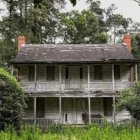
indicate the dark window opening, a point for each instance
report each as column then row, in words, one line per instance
column 98, row 72
column 50, row 73
column 81, row 73
column 40, row 107
column 67, row 73
column 66, row 117
column 31, row 73
column 117, row 74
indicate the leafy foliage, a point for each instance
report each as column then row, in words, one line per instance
column 12, row 99
column 81, row 27
column 130, row 99
column 106, row 132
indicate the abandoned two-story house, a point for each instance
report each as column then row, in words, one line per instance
column 73, row 83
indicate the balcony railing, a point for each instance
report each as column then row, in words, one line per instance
column 74, row 86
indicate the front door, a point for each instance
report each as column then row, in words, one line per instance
column 73, row 110
column 68, row 111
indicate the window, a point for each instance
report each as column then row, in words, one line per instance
column 31, row 73
column 66, row 73
column 50, row 73
column 40, row 108
column 97, row 72
column 81, row 73
column 117, row 74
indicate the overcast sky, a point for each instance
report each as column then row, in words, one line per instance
column 128, row 8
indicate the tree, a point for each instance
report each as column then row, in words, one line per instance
column 116, row 23
column 12, row 99
column 38, row 20
column 130, row 99
column 81, row 27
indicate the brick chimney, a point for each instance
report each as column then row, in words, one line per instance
column 21, row 42
column 127, row 41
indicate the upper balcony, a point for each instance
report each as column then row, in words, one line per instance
column 86, row 78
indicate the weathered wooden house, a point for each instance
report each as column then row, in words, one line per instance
column 73, row 83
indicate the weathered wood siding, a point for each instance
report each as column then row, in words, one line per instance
column 74, row 73
column 52, row 108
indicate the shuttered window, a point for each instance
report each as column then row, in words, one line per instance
column 97, row 72
column 50, row 73
column 117, row 74
column 31, row 73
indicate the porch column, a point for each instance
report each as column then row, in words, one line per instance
column 35, row 77
column 34, row 110
column 60, row 77
column 89, row 110
column 88, row 78
column 136, row 72
column 60, row 109
column 113, row 86
column 114, row 109
column 89, row 102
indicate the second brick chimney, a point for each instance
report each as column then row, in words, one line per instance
column 21, row 42
column 127, row 41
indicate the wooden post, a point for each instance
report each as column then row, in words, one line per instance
column 136, row 72
column 89, row 110
column 113, row 83
column 88, row 78
column 89, row 103
column 114, row 109
column 34, row 110
column 35, row 77
column 60, row 77
column 60, row 109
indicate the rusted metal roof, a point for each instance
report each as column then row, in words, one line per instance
column 73, row 53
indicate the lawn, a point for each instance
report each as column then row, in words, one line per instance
column 93, row 132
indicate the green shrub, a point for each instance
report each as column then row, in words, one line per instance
column 12, row 99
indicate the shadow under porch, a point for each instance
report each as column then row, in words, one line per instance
column 62, row 110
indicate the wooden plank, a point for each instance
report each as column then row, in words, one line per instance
column 60, row 77
column 34, row 110
column 89, row 110
column 35, row 75
column 60, row 109
column 88, row 77
column 114, row 109
column 113, row 86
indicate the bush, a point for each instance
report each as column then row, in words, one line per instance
column 12, row 99
column 130, row 99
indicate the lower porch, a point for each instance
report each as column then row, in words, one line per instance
column 63, row 110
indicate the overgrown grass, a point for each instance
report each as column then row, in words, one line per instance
column 93, row 132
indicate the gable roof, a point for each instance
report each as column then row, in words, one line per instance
column 73, row 53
